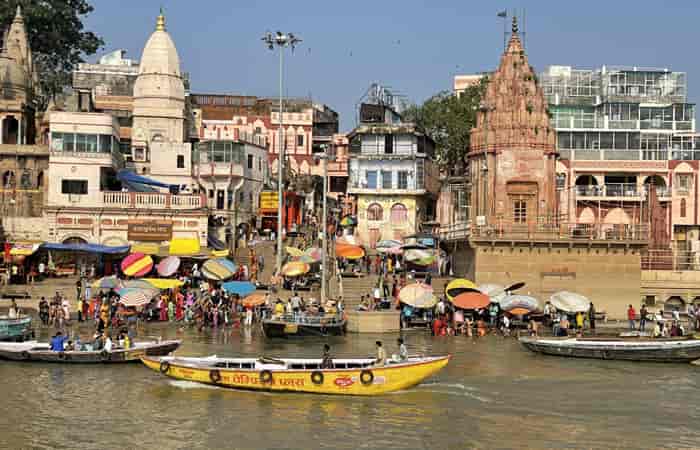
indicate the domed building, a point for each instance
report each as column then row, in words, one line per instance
column 159, row 118
column 16, row 85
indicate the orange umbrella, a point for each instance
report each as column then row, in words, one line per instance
column 295, row 268
column 349, row 251
column 254, row 300
column 519, row 311
column 471, row 300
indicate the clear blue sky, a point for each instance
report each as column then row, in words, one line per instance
column 414, row 46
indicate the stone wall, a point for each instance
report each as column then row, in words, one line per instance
column 609, row 275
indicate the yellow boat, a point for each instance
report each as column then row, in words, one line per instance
column 348, row 376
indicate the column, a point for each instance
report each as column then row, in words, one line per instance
column 19, row 130
column 2, row 123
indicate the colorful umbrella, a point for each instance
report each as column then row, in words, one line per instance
column 136, row 296
column 293, row 251
column 295, row 268
column 511, row 303
column 163, row 283
column 168, row 266
column 418, row 295
column 219, row 269
column 137, row 265
column 387, row 243
column 315, row 253
column 349, row 251
column 570, row 302
column 140, row 284
column 347, row 239
column 419, row 257
column 242, row 288
column 494, row 291
column 254, row 300
column 458, row 286
column 107, row 283
column 348, row 221
column 471, row 300
column 305, row 259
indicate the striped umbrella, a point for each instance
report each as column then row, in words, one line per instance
column 418, row 295
column 137, row 265
column 254, row 300
column 459, row 286
column 136, row 296
column 293, row 251
column 106, row 283
column 348, row 221
column 168, row 266
column 295, row 268
column 219, row 269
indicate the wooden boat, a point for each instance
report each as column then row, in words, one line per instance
column 40, row 352
column 286, row 326
column 632, row 349
column 348, row 377
column 18, row 329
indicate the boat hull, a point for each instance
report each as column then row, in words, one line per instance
column 332, row 382
column 668, row 351
column 280, row 329
column 16, row 329
column 89, row 357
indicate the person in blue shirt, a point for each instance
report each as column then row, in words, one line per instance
column 57, row 342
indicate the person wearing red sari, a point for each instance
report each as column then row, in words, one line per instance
column 179, row 306
column 164, row 308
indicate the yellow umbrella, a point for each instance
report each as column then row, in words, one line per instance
column 145, row 248
column 295, row 268
column 293, row 251
column 219, row 253
column 164, row 283
column 459, row 286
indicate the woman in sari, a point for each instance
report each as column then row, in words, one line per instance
column 179, row 306
column 163, row 307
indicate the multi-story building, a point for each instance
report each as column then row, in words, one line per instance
column 619, row 131
column 392, row 175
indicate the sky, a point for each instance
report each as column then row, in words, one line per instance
column 415, row 47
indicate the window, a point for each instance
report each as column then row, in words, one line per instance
column 386, row 179
column 40, row 179
column 258, row 130
column 399, row 214
column 389, row 143
column 250, row 161
column 403, row 179
column 180, row 161
column 375, row 212
column 371, row 176
column 684, row 182
column 300, row 140
column 79, row 187
column 519, row 211
column 683, row 207
column 561, row 181
column 211, row 193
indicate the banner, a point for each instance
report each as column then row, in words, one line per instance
column 149, row 230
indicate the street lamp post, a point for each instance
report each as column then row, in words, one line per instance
column 281, row 41
column 325, row 156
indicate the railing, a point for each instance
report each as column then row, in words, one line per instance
column 508, row 229
column 670, row 260
column 304, row 319
column 619, row 190
column 151, row 200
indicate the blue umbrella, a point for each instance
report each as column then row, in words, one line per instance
column 242, row 288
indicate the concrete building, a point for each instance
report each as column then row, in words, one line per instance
column 392, row 175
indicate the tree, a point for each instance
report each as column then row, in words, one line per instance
column 56, row 37
column 448, row 119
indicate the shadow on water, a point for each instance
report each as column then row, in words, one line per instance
column 493, row 394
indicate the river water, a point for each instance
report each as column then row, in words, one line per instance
column 493, row 394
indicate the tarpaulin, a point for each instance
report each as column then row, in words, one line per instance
column 88, row 248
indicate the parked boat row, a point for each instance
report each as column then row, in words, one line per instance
column 41, row 352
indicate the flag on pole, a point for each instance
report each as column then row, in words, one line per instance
column 503, row 14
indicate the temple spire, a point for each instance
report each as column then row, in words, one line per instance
column 160, row 22
column 514, row 27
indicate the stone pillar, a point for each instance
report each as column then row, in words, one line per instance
column 19, row 130
column 2, row 123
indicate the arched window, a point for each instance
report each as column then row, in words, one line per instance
column 40, row 179
column 682, row 207
column 399, row 214
column 8, row 179
column 375, row 212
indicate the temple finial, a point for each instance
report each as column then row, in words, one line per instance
column 514, row 27
column 160, row 22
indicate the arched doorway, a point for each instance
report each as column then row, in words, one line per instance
column 586, row 185
column 74, row 240
column 673, row 303
column 10, row 130
column 8, row 179
column 658, row 182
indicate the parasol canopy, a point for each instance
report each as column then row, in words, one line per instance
column 163, row 283
column 419, row 257
column 511, row 303
column 295, row 269
column 471, row 300
column 136, row 296
column 347, row 240
column 570, row 302
column 168, row 266
column 293, row 251
column 315, row 253
column 349, row 251
column 418, row 295
column 219, row 269
column 459, row 286
column 137, row 265
column 305, row 259
column 254, row 300
column 241, row 288
column 111, row 282
column 141, row 284
column 387, row 243
column 348, row 221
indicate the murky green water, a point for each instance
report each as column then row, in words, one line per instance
column 493, row 395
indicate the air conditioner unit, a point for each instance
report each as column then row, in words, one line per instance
column 480, row 221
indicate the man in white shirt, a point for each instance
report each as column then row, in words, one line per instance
column 108, row 344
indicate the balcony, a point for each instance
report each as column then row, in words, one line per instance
column 143, row 200
column 630, row 191
column 356, row 187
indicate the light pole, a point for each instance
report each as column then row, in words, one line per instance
column 281, row 41
column 325, row 156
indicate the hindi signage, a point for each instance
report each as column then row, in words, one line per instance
column 150, row 230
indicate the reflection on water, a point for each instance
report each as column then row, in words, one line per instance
column 493, row 394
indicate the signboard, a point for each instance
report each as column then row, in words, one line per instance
column 150, row 230
column 268, row 201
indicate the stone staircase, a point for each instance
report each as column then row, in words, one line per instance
column 354, row 288
column 267, row 250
